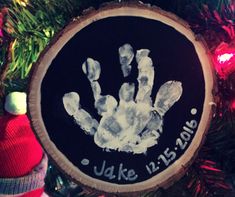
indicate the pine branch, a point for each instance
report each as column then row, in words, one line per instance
column 221, row 142
column 31, row 27
column 206, row 179
column 207, row 176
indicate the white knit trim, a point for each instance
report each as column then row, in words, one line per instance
column 18, row 195
column 30, row 182
column 16, row 103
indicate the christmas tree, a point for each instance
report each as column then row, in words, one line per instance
column 28, row 26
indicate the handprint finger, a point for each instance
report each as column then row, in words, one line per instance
column 155, row 122
column 126, row 92
column 126, row 56
column 96, row 89
column 103, row 104
column 145, row 77
column 86, row 122
column 83, row 118
column 106, row 105
column 169, row 93
column 92, row 70
column 71, row 102
column 141, row 54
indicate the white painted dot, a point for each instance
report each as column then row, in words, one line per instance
column 85, row 162
column 176, row 148
column 158, row 163
column 194, row 111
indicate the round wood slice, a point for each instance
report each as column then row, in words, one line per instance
column 147, row 147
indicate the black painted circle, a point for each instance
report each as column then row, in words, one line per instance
column 174, row 58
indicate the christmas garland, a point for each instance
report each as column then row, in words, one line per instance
column 27, row 26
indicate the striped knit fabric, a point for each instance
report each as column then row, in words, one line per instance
column 30, row 182
column 23, row 164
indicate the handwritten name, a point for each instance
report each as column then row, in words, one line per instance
column 111, row 172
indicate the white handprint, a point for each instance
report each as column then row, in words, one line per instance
column 133, row 124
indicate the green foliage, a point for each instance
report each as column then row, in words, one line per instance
column 31, row 28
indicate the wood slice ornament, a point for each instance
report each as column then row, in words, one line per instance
column 121, row 99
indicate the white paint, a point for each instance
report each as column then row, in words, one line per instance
column 152, row 168
column 186, row 133
column 194, row 111
column 169, row 93
column 92, row 69
column 111, row 172
column 126, row 56
column 132, row 124
column 85, row 162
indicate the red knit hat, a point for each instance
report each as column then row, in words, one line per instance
column 22, row 161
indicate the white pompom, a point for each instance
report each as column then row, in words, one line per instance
column 16, row 103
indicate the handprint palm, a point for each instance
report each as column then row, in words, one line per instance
column 133, row 124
